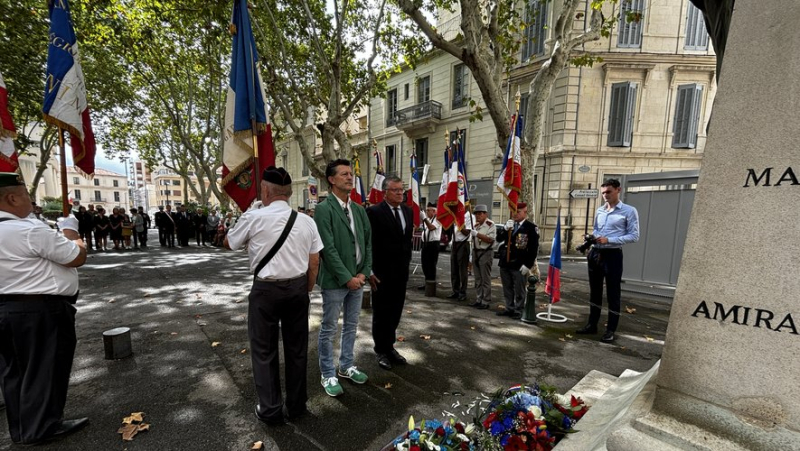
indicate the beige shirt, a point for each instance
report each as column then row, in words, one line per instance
column 261, row 228
column 32, row 258
column 488, row 229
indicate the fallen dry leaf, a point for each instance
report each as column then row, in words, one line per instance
column 401, row 338
column 257, row 446
column 144, row 427
column 472, row 327
column 243, row 351
column 215, row 344
column 648, row 338
column 388, row 385
column 425, row 337
column 561, row 339
column 128, row 431
column 630, row 310
column 135, row 417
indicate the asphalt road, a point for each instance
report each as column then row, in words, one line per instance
column 191, row 372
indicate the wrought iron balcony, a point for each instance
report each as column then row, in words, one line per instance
column 425, row 114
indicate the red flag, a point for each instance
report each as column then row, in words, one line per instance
column 8, row 154
column 412, row 195
column 451, row 207
column 376, row 191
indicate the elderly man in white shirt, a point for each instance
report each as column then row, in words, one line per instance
column 283, row 248
column 431, row 236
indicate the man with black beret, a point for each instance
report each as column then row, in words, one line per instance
column 283, row 248
column 522, row 237
column 38, row 287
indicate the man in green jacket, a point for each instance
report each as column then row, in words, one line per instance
column 346, row 264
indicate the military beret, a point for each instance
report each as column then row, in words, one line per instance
column 277, row 176
column 521, row 205
column 10, row 179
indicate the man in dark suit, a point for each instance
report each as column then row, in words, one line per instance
column 183, row 224
column 392, row 227
column 161, row 217
column 169, row 223
column 522, row 236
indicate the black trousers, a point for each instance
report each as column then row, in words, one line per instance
column 387, row 308
column 162, row 236
column 169, row 236
column 459, row 261
column 37, row 344
column 287, row 303
column 605, row 264
column 430, row 257
column 86, row 236
column 200, row 234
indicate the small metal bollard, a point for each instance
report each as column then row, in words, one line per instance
column 366, row 299
column 430, row 288
column 117, row 343
column 529, row 314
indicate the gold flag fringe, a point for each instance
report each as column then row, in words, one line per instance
column 235, row 172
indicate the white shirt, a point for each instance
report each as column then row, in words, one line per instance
column 261, row 228
column 469, row 223
column 32, row 258
column 432, row 235
column 352, row 225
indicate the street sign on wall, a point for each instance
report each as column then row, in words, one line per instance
column 584, row 193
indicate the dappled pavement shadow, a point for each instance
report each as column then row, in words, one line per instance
column 191, row 372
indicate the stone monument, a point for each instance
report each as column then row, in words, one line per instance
column 729, row 377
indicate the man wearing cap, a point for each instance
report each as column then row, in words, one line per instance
column 522, row 238
column 431, row 235
column 38, row 285
column 346, row 264
column 615, row 224
column 483, row 237
column 283, row 248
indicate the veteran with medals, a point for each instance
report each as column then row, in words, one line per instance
column 522, row 237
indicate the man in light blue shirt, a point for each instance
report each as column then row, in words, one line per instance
column 615, row 224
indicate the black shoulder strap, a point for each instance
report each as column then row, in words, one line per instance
column 6, row 219
column 278, row 244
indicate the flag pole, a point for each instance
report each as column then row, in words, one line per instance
column 256, row 176
column 517, row 99
column 64, row 191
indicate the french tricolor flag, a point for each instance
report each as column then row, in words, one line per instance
column 553, row 285
column 510, row 180
column 376, row 192
column 8, row 154
column 357, row 193
column 65, row 103
column 412, row 197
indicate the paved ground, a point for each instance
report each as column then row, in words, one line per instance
column 197, row 395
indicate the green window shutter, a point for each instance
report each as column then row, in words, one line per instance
column 621, row 111
column 687, row 116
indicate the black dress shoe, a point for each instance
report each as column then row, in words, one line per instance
column 383, row 362
column 476, row 304
column 67, row 427
column 608, row 337
column 395, row 357
column 504, row 313
column 453, row 296
column 270, row 421
column 516, row 315
column 296, row 415
column 587, row 330
column 482, row 306
column 461, row 298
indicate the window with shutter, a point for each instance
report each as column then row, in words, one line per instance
column 523, row 104
column 391, row 166
column 687, row 116
column 423, row 89
column 620, row 116
column 696, row 34
column 460, row 86
column 630, row 33
column 535, row 29
column 391, row 107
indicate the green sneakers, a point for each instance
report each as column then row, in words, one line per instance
column 354, row 375
column 332, row 387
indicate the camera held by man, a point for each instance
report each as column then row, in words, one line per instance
column 588, row 241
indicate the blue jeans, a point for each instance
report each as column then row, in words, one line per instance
column 334, row 301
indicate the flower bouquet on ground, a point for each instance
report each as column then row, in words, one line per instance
column 433, row 435
column 527, row 418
